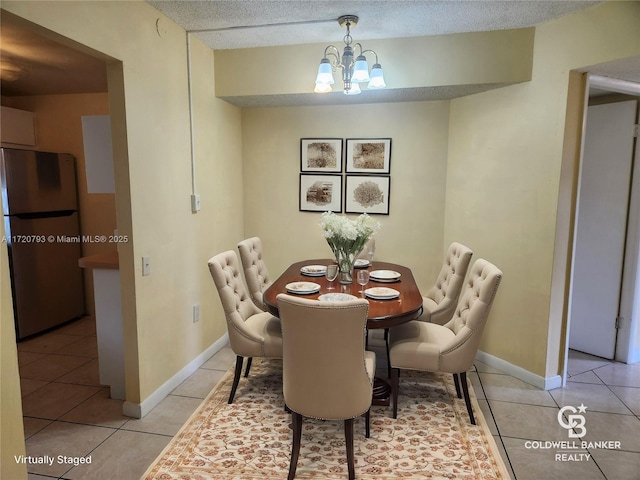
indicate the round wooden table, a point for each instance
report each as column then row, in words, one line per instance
column 382, row 313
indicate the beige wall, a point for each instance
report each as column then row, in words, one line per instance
column 150, row 125
column 505, row 152
column 478, row 58
column 11, row 427
column 58, row 121
column 411, row 234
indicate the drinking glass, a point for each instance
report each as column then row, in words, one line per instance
column 331, row 274
column 371, row 252
column 363, row 278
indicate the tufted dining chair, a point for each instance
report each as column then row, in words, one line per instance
column 255, row 270
column 452, row 347
column 440, row 301
column 252, row 332
column 327, row 373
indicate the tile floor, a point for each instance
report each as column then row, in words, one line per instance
column 67, row 412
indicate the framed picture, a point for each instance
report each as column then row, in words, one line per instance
column 320, row 193
column 367, row 194
column 369, row 155
column 321, row 155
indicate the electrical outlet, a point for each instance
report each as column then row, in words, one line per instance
column 196, row 313
column 146, row 266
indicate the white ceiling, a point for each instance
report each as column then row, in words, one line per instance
column 51, row 68
column 258, row 23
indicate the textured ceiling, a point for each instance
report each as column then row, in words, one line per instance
column 259, row 23
column 48, row 67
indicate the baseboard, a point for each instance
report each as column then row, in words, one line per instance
column 544, row 383
column 139, row 410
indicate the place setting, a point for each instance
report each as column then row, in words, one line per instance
column 314, row 270
column 385, row 276
column 302, row 288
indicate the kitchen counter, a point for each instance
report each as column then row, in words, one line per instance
column 107, row 260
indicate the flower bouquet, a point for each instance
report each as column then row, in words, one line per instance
column 347, row 239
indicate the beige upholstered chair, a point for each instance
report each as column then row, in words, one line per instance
column 440, row 302
column 451, row 347
column 327, row 374
column 252, row 332
column 255, row 270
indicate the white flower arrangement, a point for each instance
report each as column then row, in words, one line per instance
column 347, row 237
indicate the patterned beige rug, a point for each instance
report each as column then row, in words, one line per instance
column 251, row 439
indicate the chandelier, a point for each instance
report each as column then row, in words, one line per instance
column 353, row 72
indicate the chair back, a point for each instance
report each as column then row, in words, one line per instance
column 446, row 291
column 470, row 317
column 255, row 270
column 236, row 303
column 324, row 373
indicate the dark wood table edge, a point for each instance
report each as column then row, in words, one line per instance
column 381, row 387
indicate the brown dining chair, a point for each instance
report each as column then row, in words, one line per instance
column 327, row 373
column 452, row 347
column 440, row 301
column 252, row 332
column 255, row 270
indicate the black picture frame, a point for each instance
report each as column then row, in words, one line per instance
column 320, row 193
column 321, row 155
column 368, row 156
column 369, row 194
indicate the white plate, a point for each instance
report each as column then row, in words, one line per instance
column 302, row 288
column 336, row 297
column 361, row 263
column 381, row 293
column 384, row 276
column 314, row 270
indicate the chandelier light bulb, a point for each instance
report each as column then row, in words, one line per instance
column 377, row 77
column 322, row 88
column 325, row 73
column 354, row 90
column 360, row 70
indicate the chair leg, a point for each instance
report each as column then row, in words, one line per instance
column 457, row 382
column 467, row 400
column 246, row 372
column 295, row 449
column 386, row 342
column 348, row 435
column 395, row 383
column 367, row 428
column 236, row 377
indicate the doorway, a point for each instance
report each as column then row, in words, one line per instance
column 605, row 261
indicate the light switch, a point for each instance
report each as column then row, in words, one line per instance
column 146, row 266
column 195, row 203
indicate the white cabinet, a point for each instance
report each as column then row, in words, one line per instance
column 18, row 127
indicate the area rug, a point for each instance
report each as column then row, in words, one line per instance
column 251, row 438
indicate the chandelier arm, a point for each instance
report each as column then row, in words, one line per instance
column 362, row 52
column 336, row 55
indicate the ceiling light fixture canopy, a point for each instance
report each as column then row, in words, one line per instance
column 355, row 71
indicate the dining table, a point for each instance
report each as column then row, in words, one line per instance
column 383, row 312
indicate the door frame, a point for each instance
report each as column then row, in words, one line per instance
column 612, row 85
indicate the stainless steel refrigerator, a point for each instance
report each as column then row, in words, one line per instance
column 43, row 238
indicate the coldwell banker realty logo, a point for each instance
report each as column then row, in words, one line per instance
column 574, row 421
column 576, row 426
